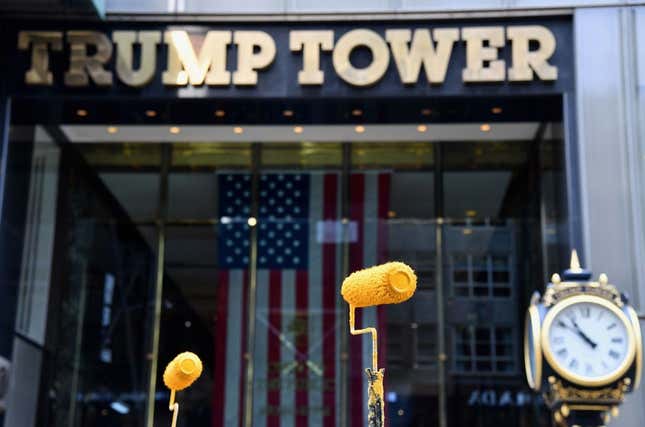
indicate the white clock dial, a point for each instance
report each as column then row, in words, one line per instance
column 589, row 340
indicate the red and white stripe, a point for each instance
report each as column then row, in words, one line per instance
column 297, row 379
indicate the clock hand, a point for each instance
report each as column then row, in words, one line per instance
column 583, row 335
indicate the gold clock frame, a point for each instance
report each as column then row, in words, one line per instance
column 532, row 321
column 638, row 342
column 579, row 379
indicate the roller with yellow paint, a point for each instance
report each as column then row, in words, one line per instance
column 388, row 283
column 179, row 374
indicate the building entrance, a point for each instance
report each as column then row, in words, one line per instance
column 145, row 239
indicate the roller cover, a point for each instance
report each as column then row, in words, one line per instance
column 389, row 283
column 182, row 371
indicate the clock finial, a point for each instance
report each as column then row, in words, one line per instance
column 575, row 262
column 575, row 272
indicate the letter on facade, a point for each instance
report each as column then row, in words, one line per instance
column 409, row 56
column 124, row 41
column 361, row 76
column 311, row 43
column 82, row 66
column 39, row 73
column 248, row 59
column 525, row 62
column 477, row 54
column 185, row 66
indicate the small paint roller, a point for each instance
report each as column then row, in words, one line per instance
column 389, row 283
column 180, row 373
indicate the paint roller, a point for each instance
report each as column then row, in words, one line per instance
column 180, row 373
column 390, row 283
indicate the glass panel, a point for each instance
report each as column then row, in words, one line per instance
column 492, row 201
column 98, row 371
column 390, row 155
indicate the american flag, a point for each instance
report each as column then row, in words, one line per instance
column 296, row 356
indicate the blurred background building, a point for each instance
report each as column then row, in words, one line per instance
column 164, row 189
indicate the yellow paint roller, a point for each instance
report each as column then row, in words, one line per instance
column 389, row 283
column 179, row 374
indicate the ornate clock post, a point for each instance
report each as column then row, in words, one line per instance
column 582, row 347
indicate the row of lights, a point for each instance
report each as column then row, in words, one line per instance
column 485, row 127
column 238, row 130
column 286, row 113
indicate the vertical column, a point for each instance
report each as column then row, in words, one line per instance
column 162, row 212
column 608, row 47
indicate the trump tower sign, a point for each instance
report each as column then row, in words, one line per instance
column 271, row 60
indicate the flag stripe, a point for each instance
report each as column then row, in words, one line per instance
column 302, row 344
column 383, row 208
column 330, row 295
column 242, row 355
column 315, row 329
column 260, row 371
column 286, row 369
column 273, row 349
column 356, row 398
column 370, row 240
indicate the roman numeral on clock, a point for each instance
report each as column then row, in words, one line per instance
column 614, row 354
column 585, row 311
column 617, row 340
column 573, row 364
column 562, row 352
column 612, row 326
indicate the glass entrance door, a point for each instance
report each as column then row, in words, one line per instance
column 236, row 251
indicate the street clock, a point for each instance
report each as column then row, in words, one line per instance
column 582, row 347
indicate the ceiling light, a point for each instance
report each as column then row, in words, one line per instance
column 287, row 113
column 112, row 129
column 220, row 113
column 471, row 213
column 174, row 130
column 359, row 129
column 357, row 112
column 151, row 113
column 422, row 128
column 426, row 112
column 238, row 130
column 252, row 222
column 81, row 112
column 496, row 110
column 485, row 127
column 297, row 129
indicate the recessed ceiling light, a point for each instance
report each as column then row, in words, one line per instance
column 81, row 112
column 297, row 129
column 252, row 221
column 426, row 112
column 357, row 112
column 484, row 127
column 287, row 113
column 422, row 128
column 496, row 110
column 238, row 130
column 112, row 129
column 151, row 113
column 220, row 113
column 359, row 129
column 174, row 130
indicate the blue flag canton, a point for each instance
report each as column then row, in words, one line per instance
column 234, row 210
column 283, row 228
column 284, row 214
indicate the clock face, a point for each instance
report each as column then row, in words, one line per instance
column 589, row 341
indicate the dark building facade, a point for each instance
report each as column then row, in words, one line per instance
column 205, row 184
